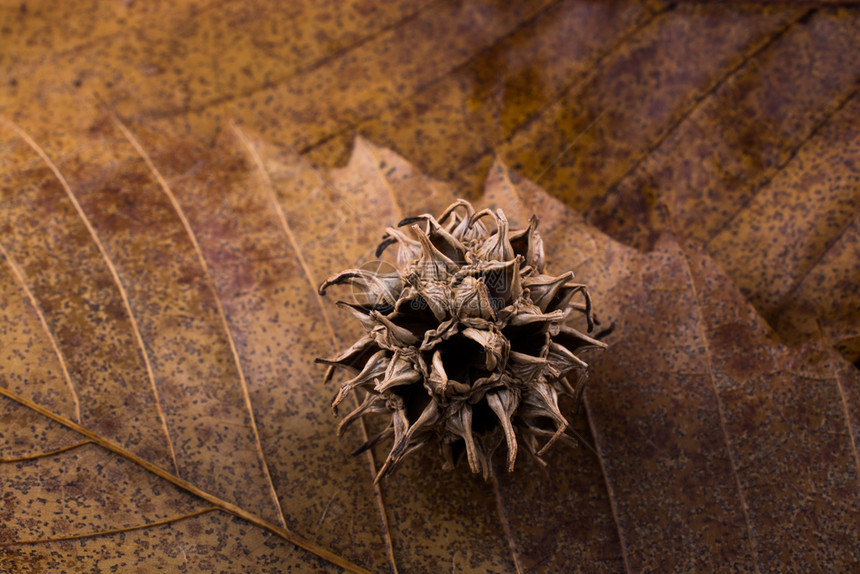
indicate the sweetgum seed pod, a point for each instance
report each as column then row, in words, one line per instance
column 466, row 346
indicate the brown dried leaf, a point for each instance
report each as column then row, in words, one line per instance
column 159, row 319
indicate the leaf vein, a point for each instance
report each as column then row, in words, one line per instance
column 607, row 485
column 46, row 453
column 846, row 410
column 724, row 431
column 111, row 531
column 506, row 527
column 19, row 277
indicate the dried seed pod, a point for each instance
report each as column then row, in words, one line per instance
column 465, row 346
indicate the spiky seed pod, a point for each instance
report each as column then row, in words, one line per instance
column 466, row 344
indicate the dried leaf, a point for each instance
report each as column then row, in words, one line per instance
column 161, row 241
